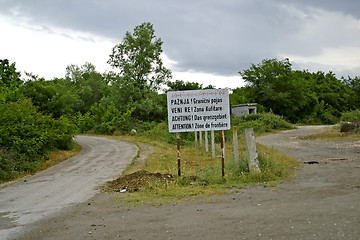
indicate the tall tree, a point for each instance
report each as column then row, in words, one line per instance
column 9, row 77
column 276, row 86
column 90, row 85
column 138, row 57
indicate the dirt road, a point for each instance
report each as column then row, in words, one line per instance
column 71, row 182
column 321, row 201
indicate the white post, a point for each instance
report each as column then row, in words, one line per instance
column 212, row 144
column 200, row 137
column 206, row 142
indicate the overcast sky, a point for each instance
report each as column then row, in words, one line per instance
column 205, row 41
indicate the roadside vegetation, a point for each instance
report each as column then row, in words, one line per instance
column 40, row 116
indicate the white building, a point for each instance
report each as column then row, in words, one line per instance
column 243, row 109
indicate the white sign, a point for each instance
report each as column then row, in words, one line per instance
column 198, row 110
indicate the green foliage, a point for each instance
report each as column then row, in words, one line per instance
column 105, row 120
column 351, row 116
column 138, row 57
column 299, row 96
column 9, row 77
column 148, row 104
column 180, row 85
column 26, row 136
column 90, row 86
column 261, row 122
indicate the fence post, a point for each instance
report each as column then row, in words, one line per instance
column 251, row 152
column 236, row 145
column 206, row 142
column 212, row 144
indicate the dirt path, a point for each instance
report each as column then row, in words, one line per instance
column 322, row 201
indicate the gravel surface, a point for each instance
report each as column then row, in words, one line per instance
column 321, row 201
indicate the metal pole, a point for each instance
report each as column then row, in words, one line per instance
column 178, row 152
column 222, row 153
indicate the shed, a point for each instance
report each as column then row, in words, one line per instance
column 243, row 109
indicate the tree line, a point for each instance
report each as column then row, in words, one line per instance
column 299, row 96
column 38, row 115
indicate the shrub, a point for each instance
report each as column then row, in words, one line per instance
column 261, row 122
column 26, row 135
column 351, row 116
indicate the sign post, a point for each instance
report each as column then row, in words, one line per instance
column 198, row 110
column 178, row 152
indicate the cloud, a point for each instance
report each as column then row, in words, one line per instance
column 215, row 37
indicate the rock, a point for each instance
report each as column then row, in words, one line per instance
column 133, row 132
column 349, row 126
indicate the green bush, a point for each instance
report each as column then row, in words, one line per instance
column 26, row 135
column 351, row 116
column 261, row 122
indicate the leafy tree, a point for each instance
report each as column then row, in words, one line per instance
column 354, row 85
column 52, row 97
column 274, row 84
column 180, row 85
column 9, row 81
column 9, row 77
column 138, row 57
column 88, row 84
column 298, row 95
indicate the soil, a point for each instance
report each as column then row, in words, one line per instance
column 137, row 180
column 320, row 201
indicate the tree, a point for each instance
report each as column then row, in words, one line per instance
column 9, row 81
column 90, row 85
column 9, row 77
column 138, row 57
column 354, row 85
column 180, row 85
column 274, row 85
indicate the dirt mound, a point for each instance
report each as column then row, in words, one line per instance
column 134, row 181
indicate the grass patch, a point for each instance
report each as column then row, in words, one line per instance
column 201, row 175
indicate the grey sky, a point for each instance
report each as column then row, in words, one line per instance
column 216, row 36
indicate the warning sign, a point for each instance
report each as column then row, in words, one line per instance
column 198, row 110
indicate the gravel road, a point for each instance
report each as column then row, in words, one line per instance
column 33, row 198
column 321, row 201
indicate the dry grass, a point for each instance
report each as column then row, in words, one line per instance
column 58, row 156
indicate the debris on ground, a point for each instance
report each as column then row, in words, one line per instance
column 134, row 181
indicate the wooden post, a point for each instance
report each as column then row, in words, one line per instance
column 178, row 152
column 206, row 142
column 236, row 145
column 252, row 155
column 222, row 153
column 212, row 144
column 196, row 137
